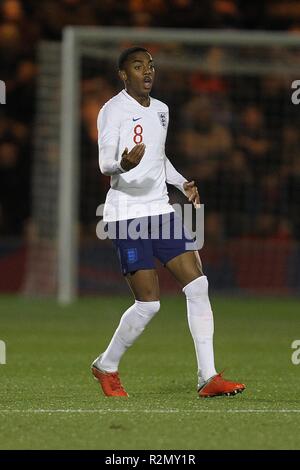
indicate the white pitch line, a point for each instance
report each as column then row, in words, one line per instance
column 170, row 411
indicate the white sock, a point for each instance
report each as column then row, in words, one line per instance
column 201, row 323
column 132, row 324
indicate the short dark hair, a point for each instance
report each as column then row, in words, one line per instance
column 127, row 52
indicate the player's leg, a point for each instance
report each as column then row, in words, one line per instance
column 187, row 270
column 138, row 267
column 186, row 267
column 144, row 285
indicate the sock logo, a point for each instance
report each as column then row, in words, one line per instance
column 296, row 354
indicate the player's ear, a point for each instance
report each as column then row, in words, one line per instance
column 123, row 75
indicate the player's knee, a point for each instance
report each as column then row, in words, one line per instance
column 148, row 296
column 148, row 309
column 196, row 288
column 197, row 298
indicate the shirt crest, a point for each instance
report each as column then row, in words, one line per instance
column 163, row 117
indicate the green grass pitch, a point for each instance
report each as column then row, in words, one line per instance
column 49, row 399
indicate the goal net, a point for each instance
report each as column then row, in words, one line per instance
column 233, row 129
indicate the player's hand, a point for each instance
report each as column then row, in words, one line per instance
column 191, row 193
column 132, row 159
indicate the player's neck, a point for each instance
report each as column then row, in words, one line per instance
column 144, row 100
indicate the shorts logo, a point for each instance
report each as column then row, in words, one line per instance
column 132, row 255
column 163, row 119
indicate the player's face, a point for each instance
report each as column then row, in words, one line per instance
column 139, row 73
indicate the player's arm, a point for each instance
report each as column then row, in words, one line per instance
column 108, row 125
column 189, row 189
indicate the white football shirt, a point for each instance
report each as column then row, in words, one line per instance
column 124, row 122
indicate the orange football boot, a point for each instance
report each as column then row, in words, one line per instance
column 217, row 386
column 110, row 382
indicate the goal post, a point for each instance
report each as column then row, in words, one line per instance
column 187, row 52
column 69, row 169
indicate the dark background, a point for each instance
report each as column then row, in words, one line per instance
column 245, row 161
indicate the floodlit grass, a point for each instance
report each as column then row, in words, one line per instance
column 49, row 399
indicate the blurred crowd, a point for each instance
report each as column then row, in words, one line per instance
column 237, row 137
column 236, row 145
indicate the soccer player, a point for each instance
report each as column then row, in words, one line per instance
column 132, row 129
